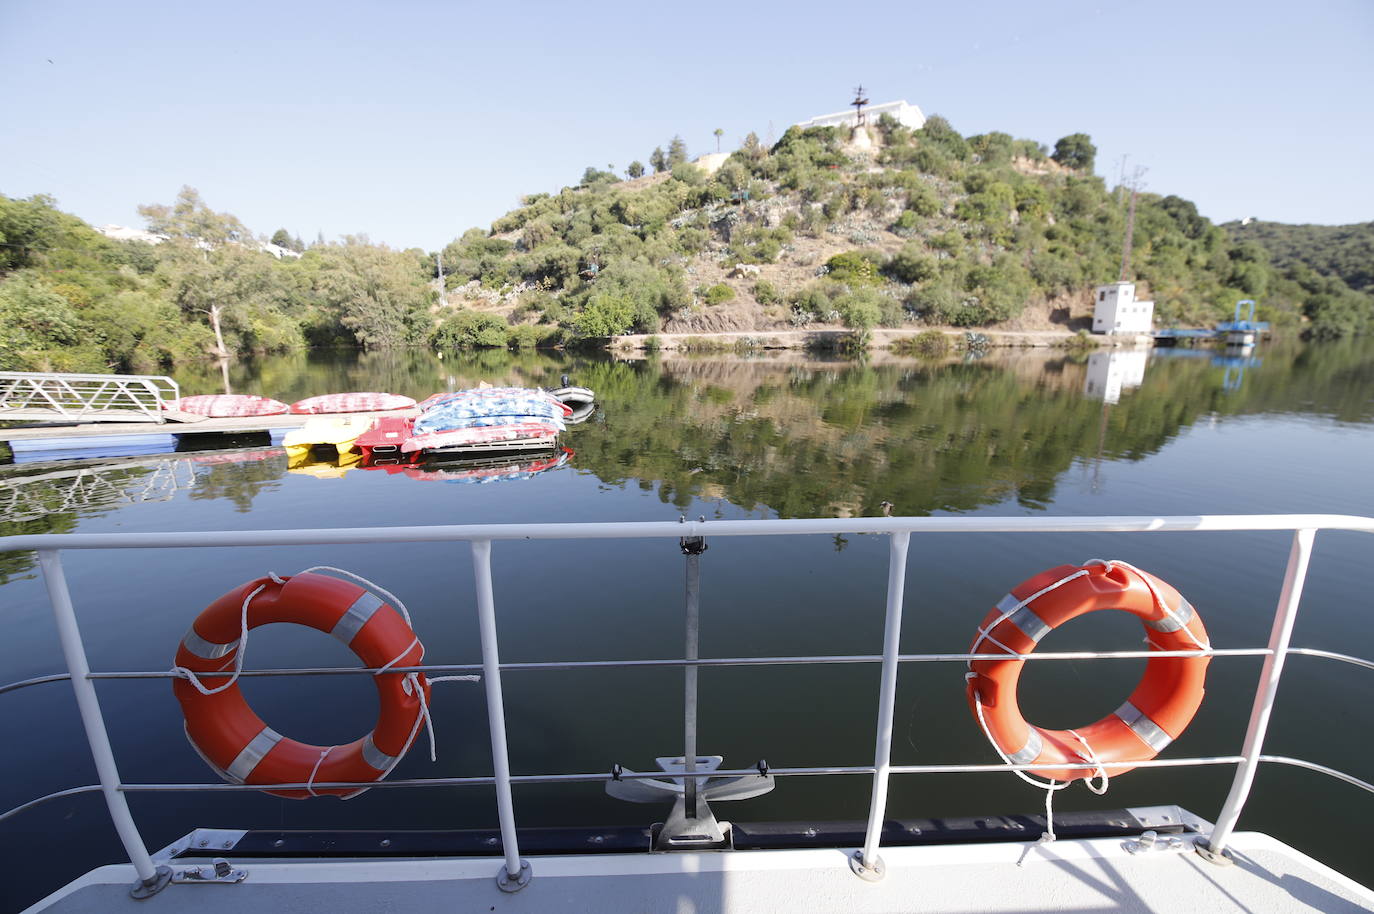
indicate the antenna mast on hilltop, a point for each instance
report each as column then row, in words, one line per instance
column 1135, row 184
column 858, row 103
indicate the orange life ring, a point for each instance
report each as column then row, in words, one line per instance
column 1156, row 713
column 235, row 742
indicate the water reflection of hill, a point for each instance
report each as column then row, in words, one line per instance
column 824, row 438
column 787, row 433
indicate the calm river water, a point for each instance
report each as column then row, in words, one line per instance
column 1288, row 429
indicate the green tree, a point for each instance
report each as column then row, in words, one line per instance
column 34, row 318
column 657, row 160
column 636, row 169
column 593, row 175
column 1075, row 151
column 718, row 133
column 190, row 220
column 197, row 241
column 282, row 238
column 606, row 314
column 380, row 295
column 677, row 151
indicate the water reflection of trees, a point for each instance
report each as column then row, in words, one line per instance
column 51, row 498
column 238, row 478
column 410, row 372
column 827, row 439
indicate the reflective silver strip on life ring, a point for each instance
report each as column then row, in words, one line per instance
column 1150, row 733
column 376, row 757
column 1030, row 751
column 244, row 763
column 206, row 650
column 1030, row 624
column 352, row 622
column 1175, row 621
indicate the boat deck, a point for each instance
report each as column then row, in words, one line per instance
column 1089, row 875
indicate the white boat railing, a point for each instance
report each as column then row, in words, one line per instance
column 481, row 539
column 115, row 397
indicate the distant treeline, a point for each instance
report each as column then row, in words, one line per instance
column 1346, row 251
column 972, row 229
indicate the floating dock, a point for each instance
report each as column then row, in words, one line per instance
column 1238, row 331
column 110, row 439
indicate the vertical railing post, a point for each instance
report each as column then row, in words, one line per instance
column 515, row 873
column 151, row 878
column 866, row 863
column 1284, row 616
column 689, row 699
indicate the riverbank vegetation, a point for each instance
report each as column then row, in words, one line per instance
column 72, row 299
column 912, row 228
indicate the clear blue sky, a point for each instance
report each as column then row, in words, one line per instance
column 413, row 121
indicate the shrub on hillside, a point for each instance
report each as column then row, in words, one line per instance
column 757, row 244
column 939, row 134
column 765, row 293
column 689, row 174
column 718, row 294
column 606, row 314
column 922, row 201
column 912, row 264
column 470, row 330
column 907, row 223
column 855, row 268
column 532, row 336
column 861, row 309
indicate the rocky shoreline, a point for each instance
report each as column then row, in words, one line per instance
column 878, row 339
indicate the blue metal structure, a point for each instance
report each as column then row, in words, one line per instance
column 1249, row 325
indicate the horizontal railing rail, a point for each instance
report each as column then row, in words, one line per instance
column 603, row 777
column 557, row 665
column 81, row 396
column 481, row 537
column 362, row 536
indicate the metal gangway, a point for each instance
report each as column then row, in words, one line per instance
column 154, row 873
column 30, row 395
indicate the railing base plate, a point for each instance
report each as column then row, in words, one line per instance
column 150, row 887
column 867, row 873
column 505, row 883
column 1211, row 856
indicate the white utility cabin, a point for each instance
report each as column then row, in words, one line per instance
column 1115, row 310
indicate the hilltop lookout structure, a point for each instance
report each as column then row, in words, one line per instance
column 906, row 114
column 1115, row 310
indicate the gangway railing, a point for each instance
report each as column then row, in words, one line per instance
column 481, row 538
column 89, row 397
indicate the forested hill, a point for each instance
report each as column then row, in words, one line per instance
column 887, row 226
column 1346, row 251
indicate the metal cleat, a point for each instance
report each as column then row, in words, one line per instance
column 219, row 872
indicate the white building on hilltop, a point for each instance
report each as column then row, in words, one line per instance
column 124, row 233
column 907, row 115
column 1115, row 310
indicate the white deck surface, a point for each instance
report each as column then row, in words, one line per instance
column 1068, row 876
